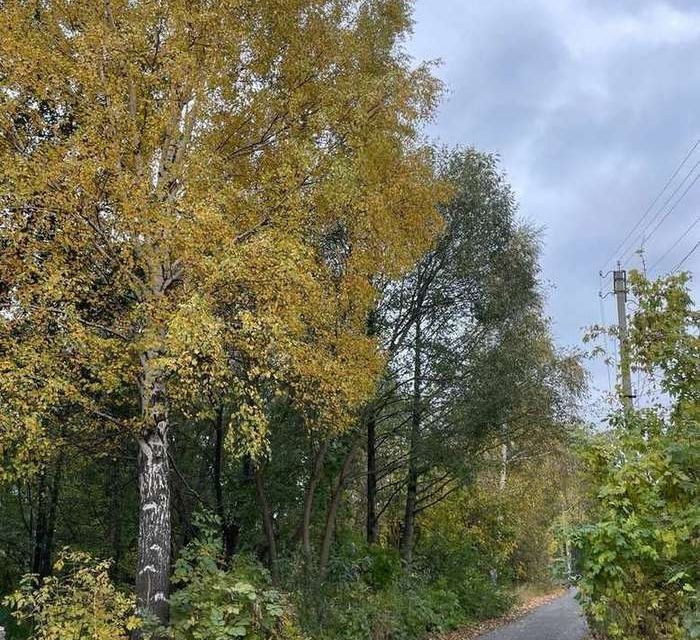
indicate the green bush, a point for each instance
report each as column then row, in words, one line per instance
column 216, row 602
column 406, row 610
column 370, row 596
column 640, row 557
column 463, row 561
column 78, row 602
column 384, row 567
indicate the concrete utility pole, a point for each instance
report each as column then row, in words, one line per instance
column 620, row 290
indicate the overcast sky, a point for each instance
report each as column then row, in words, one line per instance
column 591, row 105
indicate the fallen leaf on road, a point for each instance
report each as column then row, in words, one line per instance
column 480, row 628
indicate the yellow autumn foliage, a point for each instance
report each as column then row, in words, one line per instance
column 203, row 193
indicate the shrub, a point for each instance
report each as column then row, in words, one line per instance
column 407, row 609
column 464, row 542
column 640, row 571
column 370, row 596
column 639, row 558
column 215, row 602
column 384, row 567
column 78, row 602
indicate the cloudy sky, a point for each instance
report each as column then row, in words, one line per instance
column 592, row 105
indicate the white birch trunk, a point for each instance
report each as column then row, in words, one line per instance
column 153, row 568
column 504, row 467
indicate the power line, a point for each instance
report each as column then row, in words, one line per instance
column 653, row 203
column 675, row 244
column 687, row 255
column 644, row 236
column 673, row 207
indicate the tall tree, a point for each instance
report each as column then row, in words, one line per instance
column 195, row 197
column 467, row 340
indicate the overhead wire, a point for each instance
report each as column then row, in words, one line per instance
column 653, row 203
column 644, row 236
column 658, row 217
column 675, row 244
column 687, row 255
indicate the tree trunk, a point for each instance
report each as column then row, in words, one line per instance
column 332, row 513
column 39, row 526
column 502, row 479
column 153, row 564
column 268, row 525
column 115, row 517
column 371, row 417
column 409, row 520
column 309, row 501
column 504, row 467
column 229, row 530
column 46, row 521
column 372, row 518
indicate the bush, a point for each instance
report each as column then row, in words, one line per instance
column 639, row 558
column 466, row 543
column 216, row 602
column 370, row 596
column 408, row 609
column 78, row 602
column 384, row 567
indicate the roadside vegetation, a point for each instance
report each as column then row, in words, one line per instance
column 640, row 546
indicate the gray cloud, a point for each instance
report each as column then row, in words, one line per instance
column 590, row 105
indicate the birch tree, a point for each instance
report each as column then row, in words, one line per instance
column 194, row 198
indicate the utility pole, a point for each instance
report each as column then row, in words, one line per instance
column 620, row 291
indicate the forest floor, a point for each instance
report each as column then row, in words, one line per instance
column 552, row 616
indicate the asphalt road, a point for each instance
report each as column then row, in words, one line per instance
column 560, row 619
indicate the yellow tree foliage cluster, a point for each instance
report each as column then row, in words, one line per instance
column 201, row 192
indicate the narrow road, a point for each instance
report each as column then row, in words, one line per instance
column 560, row 619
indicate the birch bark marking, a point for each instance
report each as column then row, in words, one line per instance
column 504, row 467
column 153, row 568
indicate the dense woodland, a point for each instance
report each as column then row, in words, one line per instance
column 272, row 365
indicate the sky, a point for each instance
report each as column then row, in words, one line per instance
column 591, row 106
